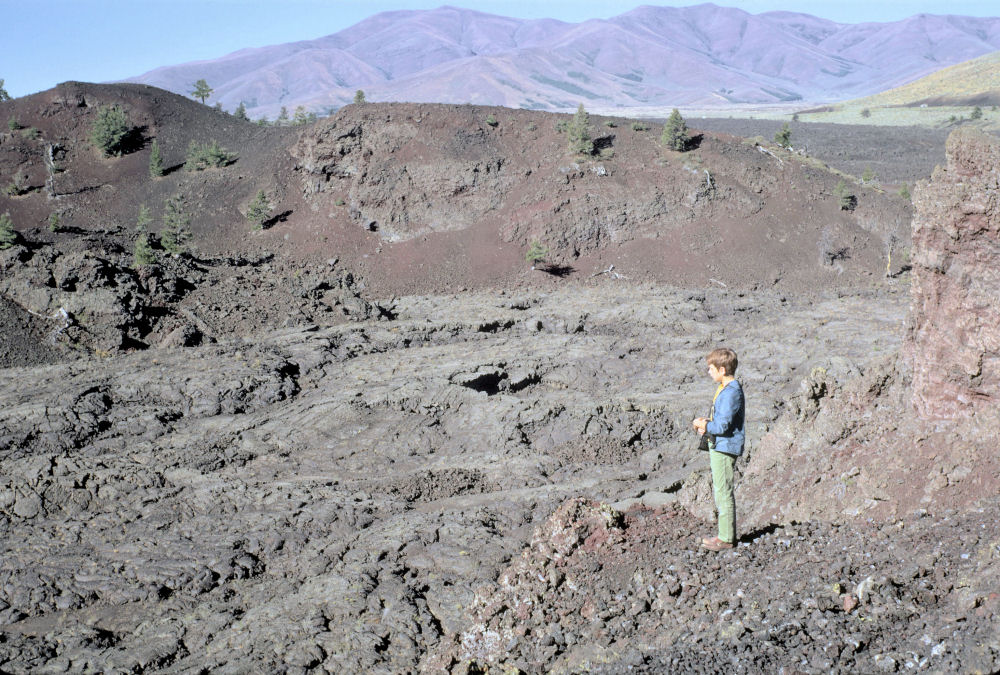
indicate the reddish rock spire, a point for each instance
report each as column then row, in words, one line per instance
column 955, row 337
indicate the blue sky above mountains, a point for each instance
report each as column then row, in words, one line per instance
column 50, row 41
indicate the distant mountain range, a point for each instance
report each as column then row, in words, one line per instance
column 650, row 56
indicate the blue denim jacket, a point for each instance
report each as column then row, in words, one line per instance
column 727, row 420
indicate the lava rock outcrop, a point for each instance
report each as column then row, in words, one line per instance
column 955, row 344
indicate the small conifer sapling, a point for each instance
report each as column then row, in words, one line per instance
column 845, row 198
column 578, row 132
column 675, row 133
column 536, row 254
column 8, row 236
column 175, row 233
column 142, row 251
column 259, row 210
column 110, row 129
column 155, row 160
column 784, row 137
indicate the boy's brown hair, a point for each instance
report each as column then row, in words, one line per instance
column 723, row 358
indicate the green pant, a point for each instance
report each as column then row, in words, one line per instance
column 722, row 488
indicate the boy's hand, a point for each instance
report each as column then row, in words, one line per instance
column 699, row 425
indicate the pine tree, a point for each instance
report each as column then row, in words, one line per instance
column 784, row 137
column 675, row 133
column 300, row 117
column 845, row 198
column 143, row 220
column 259, row 210
column 241, row 112
column 578, row 132
column 536, row 254
column 110, row 129
column 4, row 96
column 142, row 251
column 977, row 112
column 201, row 90
column 175, row 233
column 8, row 237
column 359, row 96
column 155, row 160
column 282, row 117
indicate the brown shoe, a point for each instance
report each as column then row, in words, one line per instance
column 715, row 544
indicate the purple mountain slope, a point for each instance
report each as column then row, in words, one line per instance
column 658, row 56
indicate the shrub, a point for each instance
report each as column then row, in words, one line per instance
column 491, row 120
column 578, row 132
column 54, row 221
column 784, row 136
column 795, row 117
column 155, row 160
column 977, row 113
column 31, row 133
column 175, row 233
column 259, row 210
column 675, row 134
column 8, row 237
column 866, row 113
column 536, row 253
column 904, row 192
column 110, row 130
column 562, row 126
column 282, row 117
column 531, row 126
column 201, row 156
column 639, row 126
column 13, row 124
column 241, row 112
column 867, row 176
column 610, row 124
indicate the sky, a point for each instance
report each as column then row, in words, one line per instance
column 44, row 42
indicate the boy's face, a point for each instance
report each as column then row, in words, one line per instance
column 716, row 373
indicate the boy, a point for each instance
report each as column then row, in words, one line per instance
column 726, row 434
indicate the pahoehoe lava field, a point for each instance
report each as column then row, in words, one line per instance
column 369, row 437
